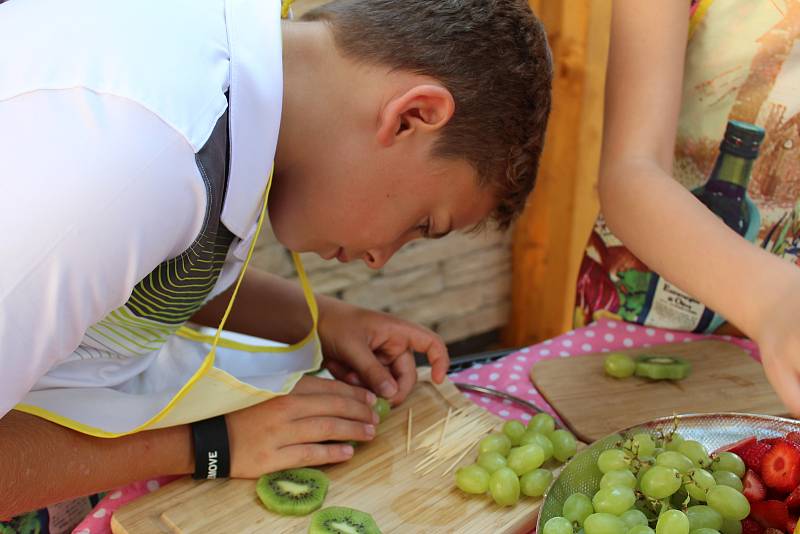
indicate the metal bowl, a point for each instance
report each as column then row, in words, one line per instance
column 712, row 430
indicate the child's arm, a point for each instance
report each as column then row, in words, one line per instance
column 361, row 346
column 42, row 463
column 660, row 221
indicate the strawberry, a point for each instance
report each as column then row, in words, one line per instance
column 793, row 500
column 780, row 467
column 749, row 526
column 753, row 455
column 793, row 436
column 770, row 513
column 754, row 489
column 773, row 531
column 791, row 525
column 739, row 446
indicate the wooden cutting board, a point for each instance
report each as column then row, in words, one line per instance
column 724, row 378
column 379, row 480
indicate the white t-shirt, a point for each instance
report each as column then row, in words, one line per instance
column 103, row 107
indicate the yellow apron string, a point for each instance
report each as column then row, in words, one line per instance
column 286, row 5
column 697, row 18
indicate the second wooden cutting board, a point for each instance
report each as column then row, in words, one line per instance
column 724, row 379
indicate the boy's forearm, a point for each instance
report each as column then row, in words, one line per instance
column 267, row 306
column 43, row 463
column 676, row 236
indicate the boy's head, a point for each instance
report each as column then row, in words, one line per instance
column 421, row 112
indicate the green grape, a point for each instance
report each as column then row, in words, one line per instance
column 600, row 523
column 644, row 463
column 382, row 408
column 673, row 442
column 728, row 502
column 514, row 430
column 643, row 444
column 473, row 479
column 613, row 460
column 564, row 445
column 705, row 531
column 537, row 438
column 535, row 483
column 702, row 516
column 634, row 517
column 660, row 482
column 696, row 452
column 504, row 486
column 557, row 525
column 731, row 526
column 675, row 460
column 641, row 529
column 728, row 461
column 491, row 461
column 577, row 508
column 672, row 522
column 726, row 478
column 621, row 478
column 543, row 423
column 619, row 365
column 495, row 442
column 525, row 459
column 700, row 481
column 613, row 500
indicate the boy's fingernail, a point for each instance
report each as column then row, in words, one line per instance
column 370, row 430
column 347, row 450
column 371, row 398
column 387, row 389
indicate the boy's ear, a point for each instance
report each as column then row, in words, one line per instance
column 423, row 108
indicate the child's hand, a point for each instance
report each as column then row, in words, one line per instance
column 779, row 343
column 289, row 431
column 377, row 350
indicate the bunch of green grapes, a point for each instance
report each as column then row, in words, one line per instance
column 510, row 462
column 656, row 483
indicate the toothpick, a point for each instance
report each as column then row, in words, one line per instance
column 408, row 431
column 444, row 428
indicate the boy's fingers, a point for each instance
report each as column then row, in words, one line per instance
column 325, row 386
column 314, row 454
column 405, row 371
column 317, row 429
column 338, row 370
column 372, row 373
column 786, row 383
column 324, row 405
column 432, row 345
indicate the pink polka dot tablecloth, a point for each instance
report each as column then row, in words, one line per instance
column 509, row 374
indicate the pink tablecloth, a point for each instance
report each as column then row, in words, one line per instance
column 509, row 374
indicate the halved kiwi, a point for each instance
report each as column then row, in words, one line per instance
column 341, row 520
column 294, row 491
column 658, row 367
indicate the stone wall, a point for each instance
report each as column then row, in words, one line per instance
column 459, row 285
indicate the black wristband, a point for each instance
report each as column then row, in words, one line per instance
column 212, row 457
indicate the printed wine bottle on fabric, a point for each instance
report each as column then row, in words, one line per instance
column 725, row 193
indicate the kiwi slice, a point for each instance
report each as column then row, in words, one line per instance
column 657, row 367
column 294, row 491
column 382, row 408
column 341, row 520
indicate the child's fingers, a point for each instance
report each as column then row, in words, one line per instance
column 371, row 371
column 338, row 370
column 405, row 372
column 312, row 385
column 318, row 429
column 432, row 345
column 323, row 405
column 314, row 454
column 785, row 381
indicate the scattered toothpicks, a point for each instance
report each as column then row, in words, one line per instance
column 408, row 431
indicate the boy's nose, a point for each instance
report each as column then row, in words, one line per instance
column 377, row 257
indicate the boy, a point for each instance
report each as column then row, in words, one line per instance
column 137, row 141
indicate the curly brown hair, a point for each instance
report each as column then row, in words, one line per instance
column 492, row 55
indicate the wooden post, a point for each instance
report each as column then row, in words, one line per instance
column 550, row 236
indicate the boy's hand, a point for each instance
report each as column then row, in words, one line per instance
column 779, row 343
column 365, row 347
column 290, row 431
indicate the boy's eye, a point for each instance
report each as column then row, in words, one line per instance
column 425, row 228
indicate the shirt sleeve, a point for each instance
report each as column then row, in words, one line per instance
column 96, row 192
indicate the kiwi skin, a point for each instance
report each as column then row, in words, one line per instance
column 293, row 491
column 324, row 521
